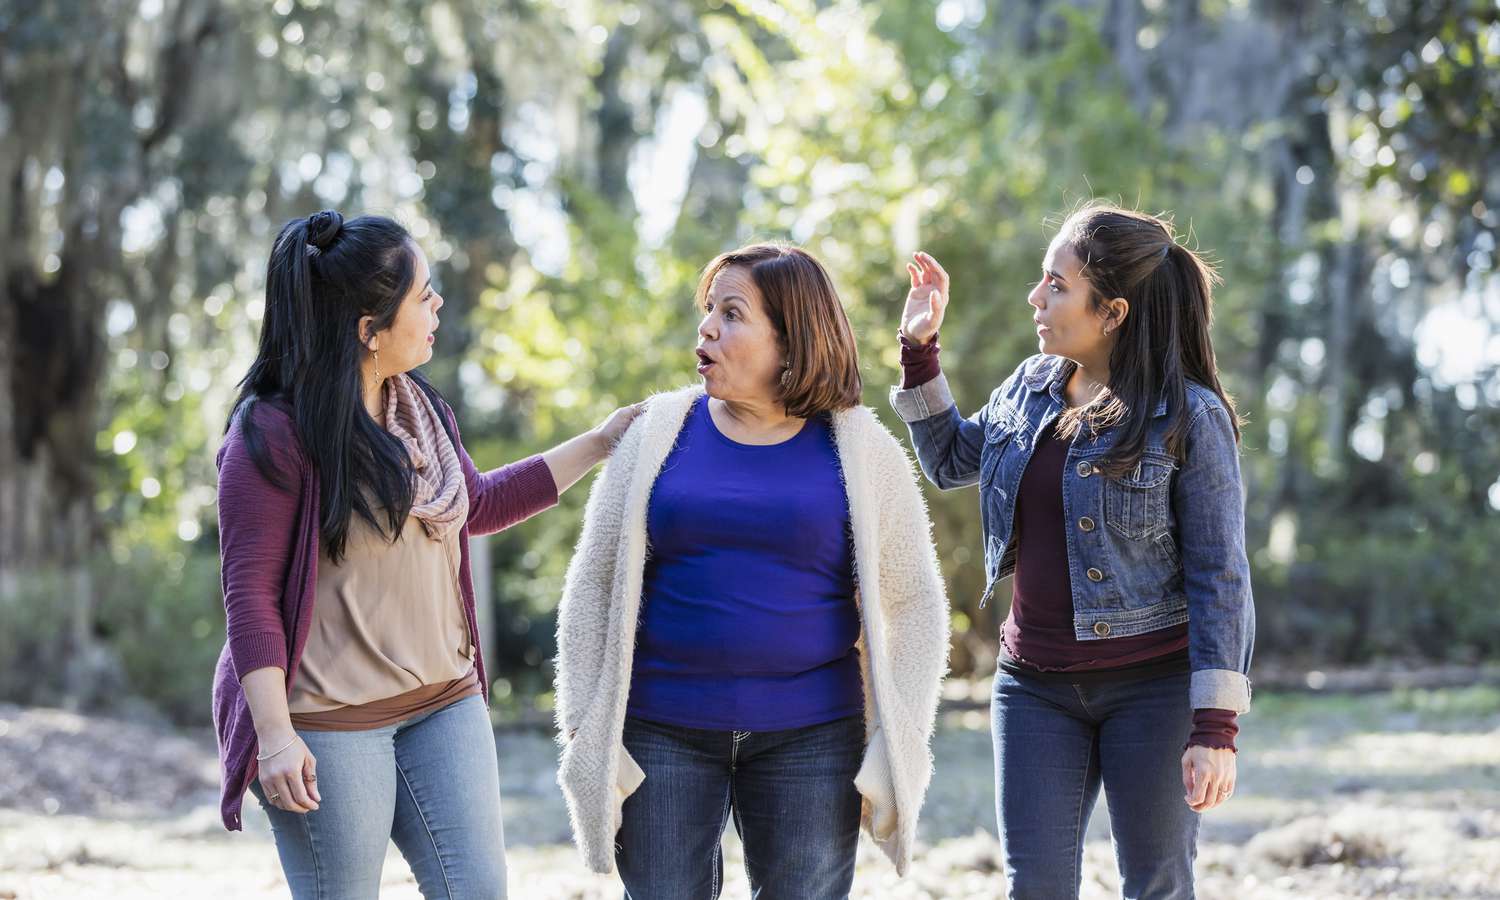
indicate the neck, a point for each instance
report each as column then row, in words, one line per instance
column 757, row 414
column 1087, row 381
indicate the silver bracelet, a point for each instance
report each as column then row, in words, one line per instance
column 264, row 757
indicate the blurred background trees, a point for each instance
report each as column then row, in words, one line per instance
column 569, row 167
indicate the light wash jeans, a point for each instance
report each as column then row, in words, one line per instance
column 430, row 783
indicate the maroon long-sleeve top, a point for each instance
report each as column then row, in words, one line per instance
column 268, row 552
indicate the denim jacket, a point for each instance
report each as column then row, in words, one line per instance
column 1161, row 546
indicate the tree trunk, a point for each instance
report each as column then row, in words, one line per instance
column 52, row 363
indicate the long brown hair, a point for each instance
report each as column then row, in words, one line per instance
column 1164, row 341
column 822, row 373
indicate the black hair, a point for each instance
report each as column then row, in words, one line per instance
column 1164, row 340
column 323, row 276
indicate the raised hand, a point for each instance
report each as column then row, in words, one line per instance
column 926, row 301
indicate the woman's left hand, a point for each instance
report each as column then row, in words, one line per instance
column 1208, row 777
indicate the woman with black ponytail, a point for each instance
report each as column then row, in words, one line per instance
column 351, row 695
column 1108, row 468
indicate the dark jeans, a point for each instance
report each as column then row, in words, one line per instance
column 791, row 793
column 1056, row 742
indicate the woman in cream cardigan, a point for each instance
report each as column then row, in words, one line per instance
column 753, row 621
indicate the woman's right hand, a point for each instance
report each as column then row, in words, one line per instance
column 927, row 300
column 289, row 778
column 613, row 428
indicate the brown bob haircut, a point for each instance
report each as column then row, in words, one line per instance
column 822, row 373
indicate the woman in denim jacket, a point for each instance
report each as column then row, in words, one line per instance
column 1114, row 454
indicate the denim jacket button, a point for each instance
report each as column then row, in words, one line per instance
column 1085, row 470
column 1086, row 524
column 1101, row 628
column 1095, row 575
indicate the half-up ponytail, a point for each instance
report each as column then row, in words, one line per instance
column 323, row 276
column 1164, row 341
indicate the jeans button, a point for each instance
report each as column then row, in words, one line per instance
column 1101, row 628
column 1086, row 524
column 1095, row 575
column 1085, row 470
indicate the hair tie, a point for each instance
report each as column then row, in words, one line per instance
column 323, row 227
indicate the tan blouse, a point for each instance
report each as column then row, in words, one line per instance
column 388, row 625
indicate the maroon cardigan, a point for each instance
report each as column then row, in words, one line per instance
column 268, row 553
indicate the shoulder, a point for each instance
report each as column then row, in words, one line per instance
column 666, row 411
column 657, row 426
column 682, row 397
column 1034, row 373
column 273, row 423
column 1201, row 399
column 1038, row 369
column 860, row 426
column 261, row 447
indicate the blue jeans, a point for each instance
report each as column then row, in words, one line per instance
column 1056, row 742
column 430, row 783
column 791, row 793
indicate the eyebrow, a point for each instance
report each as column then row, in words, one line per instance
column 1056, row 276
column 428, row 286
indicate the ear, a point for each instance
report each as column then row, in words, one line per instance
column 1115, row 312
column 367, row 333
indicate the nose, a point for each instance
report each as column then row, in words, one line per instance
column 707, row 327
column 1037, row 297
column 437, row 301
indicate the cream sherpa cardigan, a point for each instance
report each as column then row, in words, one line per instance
column 903, row 643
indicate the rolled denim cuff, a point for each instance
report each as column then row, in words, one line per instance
column 1219, row 689
column 923, row 401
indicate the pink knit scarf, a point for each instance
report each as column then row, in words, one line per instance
column 440, row 498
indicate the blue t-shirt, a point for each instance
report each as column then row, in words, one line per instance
column 748, row 618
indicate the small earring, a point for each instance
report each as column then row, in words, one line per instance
column 375, row 354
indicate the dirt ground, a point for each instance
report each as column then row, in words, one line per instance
column 1385, row 794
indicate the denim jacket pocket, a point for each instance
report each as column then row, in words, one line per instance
column 1135, row 505
column 999, row 433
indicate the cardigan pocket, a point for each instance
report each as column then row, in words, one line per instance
column 878, row 795
column 628, row 776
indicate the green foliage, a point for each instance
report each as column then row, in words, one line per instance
column 162, row 618
column 510, row 138
column 33, row 639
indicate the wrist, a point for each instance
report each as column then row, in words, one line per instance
column 272, row 737
column 600, row 447
column 913, row 341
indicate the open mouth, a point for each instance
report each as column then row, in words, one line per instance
column 705, row 362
